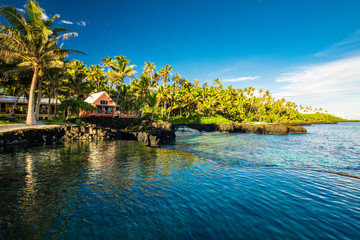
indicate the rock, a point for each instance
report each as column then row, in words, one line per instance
column 163, row 125
column 156, row 138
column 297, row 130
column 280, row 129
column 267, row 128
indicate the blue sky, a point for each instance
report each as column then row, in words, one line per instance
column 307, row 51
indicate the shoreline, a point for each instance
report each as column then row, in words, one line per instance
column 153, row 134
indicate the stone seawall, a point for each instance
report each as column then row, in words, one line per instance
column 87, row 132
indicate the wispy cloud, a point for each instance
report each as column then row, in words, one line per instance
column 241, row 79
column 349, row 44
column 81, row 23
column 341, row 76
column 66, row 22
column 334, row 86
column 44, row 16
column 20, row 10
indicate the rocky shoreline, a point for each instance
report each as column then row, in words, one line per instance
column 268, row 128
column 153, row 134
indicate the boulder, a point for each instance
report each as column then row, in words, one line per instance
column 297, row 130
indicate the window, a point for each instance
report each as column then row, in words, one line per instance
column 2, row 107
column 103, row 102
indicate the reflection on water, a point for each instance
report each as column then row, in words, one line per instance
column 124, row 190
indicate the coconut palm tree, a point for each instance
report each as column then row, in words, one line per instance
column 165, row 73
column 96, row 75
column 106, row 62
column 32, row 40
column 120, row 68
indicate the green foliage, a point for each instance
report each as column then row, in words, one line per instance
column 199, row 120
column 74, row 106
column 61, row 120
column 79, row 122
column 7, row 122
column 318, row 117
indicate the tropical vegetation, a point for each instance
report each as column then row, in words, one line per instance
column 33, row 65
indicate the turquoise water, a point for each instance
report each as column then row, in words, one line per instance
column 198, row 189
column 334, row 148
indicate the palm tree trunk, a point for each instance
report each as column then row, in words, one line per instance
column 30, row 117
column 142, row 110
column 116, row 103
column 49, row 106
column 56, row 104
column 153, row 111
column 12, row 112
column 37, row 109
column 171, row 106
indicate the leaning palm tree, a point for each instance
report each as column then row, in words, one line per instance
column 32, row 40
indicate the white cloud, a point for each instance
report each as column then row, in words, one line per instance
column 20, row 10
column 81, row 23
column 334, row 86
column 241, row 79
column 339, row 76
column 66, row 22
column 347, row 45
column 44, row 16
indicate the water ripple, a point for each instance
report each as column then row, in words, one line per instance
column 124, row 190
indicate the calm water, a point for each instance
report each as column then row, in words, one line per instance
column 334, row 148
column 208, row 186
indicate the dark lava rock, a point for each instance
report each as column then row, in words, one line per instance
column 267, row 128
column 156, row 138
column 297, row 130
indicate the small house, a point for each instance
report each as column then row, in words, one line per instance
column 105, row 105
column 6, row 103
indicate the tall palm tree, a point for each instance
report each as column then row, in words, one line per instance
column 141, row 89
column 165, row 73
column 120, row 68
column 96, row 75
column 149, row 68
column 106, row 62
column 74, row 85
column 32, row 40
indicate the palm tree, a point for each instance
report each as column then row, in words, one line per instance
column 165, row 73
column 142, row 89
column 149, row 68
column 120, row 68
column 74, row 85
column 106, row 62
column 151, row 101
column 95, row 74
column 32, row 40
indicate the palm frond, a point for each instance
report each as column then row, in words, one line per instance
column 66, row 36
column 13, row 17
column 33, row 14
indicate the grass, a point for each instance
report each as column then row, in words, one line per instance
column 7, row 122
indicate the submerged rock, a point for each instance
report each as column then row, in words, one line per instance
column 154, row 138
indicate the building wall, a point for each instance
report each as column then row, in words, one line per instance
column 103, row 97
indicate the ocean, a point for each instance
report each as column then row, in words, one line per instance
column 207, row 186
